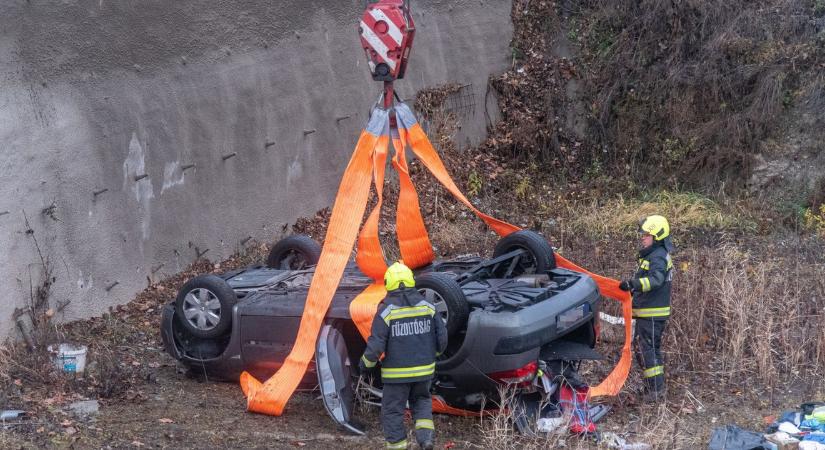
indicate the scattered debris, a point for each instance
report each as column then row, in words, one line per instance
column 85, row 408
column 789, row 428
column 549, row 424
column 783, row 440
column 795, row 429
column 69, row 358
column 819, row 438
column 613, row 440
column 11, row 414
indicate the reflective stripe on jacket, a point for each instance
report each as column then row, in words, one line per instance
column 409, row 333
column 652, row 283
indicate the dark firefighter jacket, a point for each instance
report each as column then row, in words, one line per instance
column 652, row 283
column 409, row 333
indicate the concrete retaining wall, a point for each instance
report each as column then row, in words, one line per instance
column 118, row 97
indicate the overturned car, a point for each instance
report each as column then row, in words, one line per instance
column 513, row 320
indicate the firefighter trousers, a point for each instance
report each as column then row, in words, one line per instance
column 649, row 352
column 393, row 405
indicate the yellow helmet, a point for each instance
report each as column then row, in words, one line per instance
column 655, row 226
column 396, row 274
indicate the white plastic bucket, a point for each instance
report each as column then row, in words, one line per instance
column 68, row 357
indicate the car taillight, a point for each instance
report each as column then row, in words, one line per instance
column 520, row 377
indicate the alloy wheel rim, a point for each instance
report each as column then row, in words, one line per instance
column 202, row 309
column 435, row 299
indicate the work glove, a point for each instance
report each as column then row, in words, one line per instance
column 364, row 370
column 626, row 286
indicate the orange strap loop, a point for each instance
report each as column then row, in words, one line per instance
column 272, row 396
column 367, row 163
column 422, row 148
column 609, row 288
column 413, row 240
column 365, row 305
column 370, row 257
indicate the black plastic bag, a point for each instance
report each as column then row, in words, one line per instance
column 732, row 437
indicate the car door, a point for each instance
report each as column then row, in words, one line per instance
column 335, row 377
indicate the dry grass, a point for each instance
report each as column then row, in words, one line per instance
column 748, row 318
column 618, row 217
column 660, row 425
column 119, row 343
column 497, row 429
column 9, row 440
column 30, row 375
column 813, row 219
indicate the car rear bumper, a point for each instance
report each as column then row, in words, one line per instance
column 502, row 340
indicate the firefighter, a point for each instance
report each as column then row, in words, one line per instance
column 410, row 334
column 651, row 301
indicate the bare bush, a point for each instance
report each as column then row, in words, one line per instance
column 498, row 430
column 676, row 92
column 711, row 74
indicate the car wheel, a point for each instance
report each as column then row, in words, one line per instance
column 540, row 258
column 204, row 306
column 446, row 295
column 294, row 253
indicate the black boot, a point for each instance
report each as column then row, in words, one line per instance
column 655, row 395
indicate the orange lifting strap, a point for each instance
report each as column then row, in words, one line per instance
column 366, row 166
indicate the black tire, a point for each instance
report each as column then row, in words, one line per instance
column 295, row 252
column 196, row 299
column 541, row 260
column 452, row 304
